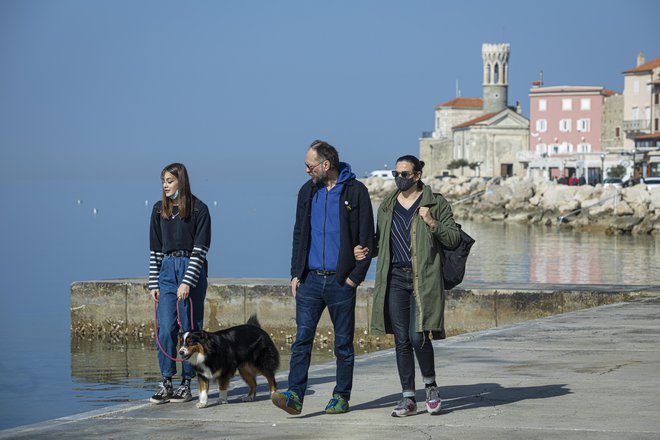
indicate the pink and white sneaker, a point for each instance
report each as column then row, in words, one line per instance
column 433, row 402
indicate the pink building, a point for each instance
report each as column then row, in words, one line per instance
column 566, row 120
column 565, row 132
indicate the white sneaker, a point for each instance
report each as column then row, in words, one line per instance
column 405, row 407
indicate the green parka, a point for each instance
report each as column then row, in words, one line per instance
column 427, row 270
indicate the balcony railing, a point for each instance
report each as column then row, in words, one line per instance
column 636, row 125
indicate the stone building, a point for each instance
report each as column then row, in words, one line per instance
column 484, row 131
column 611, row 133
column 641, row 94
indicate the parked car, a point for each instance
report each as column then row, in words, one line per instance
column 445, row 177
column 651, row 182
column 383, row 174
column 614, row 182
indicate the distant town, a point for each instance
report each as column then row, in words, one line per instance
column 584, row 132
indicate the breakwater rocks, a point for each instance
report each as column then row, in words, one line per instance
column 632, row 210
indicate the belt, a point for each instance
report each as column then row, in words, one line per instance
column 324, row 273
column 179, row 254
column 404, row 269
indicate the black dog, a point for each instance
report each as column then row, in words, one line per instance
column 217, row 356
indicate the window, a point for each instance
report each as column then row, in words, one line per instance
column 541, row 149
column 554, row 149
column 635, row 113
column 565, row 147
column 584, row 148
column 617, row 132
column 647, row 113
column 567, row 104
column 585, row 104
column 657, row 98
column 541, row 125
column 583, row 125
column 565, row 125
column 636, row 87
column 543, row 104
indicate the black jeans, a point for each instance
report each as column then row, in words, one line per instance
column 401, row 303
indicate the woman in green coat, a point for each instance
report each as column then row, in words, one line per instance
column 413, row 225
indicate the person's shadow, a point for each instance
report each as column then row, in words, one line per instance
column 454, row 397
column 463, row 397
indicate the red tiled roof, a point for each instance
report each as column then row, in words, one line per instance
column 463, row 103
column 570, row 89
column 646, row 67
column 655, row 135
column 476, row 120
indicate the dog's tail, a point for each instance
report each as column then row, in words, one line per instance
column 253, row 321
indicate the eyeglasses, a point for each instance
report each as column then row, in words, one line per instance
column 403, row 174
column 311, row 167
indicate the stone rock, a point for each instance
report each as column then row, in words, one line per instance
column 559, row 195
column 636, row 195
column 625, row 223
column 623, row 209
column 496, row 196
column 568, row 206
column 585, row 192
column 654, row 200
column 596, row 208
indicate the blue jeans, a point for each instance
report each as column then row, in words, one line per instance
column 401, row 304
column 171, row 275
column 312, row 297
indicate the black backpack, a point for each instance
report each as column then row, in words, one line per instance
column 453, row 260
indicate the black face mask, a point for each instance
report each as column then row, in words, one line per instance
column 404, row 184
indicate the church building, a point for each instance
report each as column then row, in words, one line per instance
column 483, row 131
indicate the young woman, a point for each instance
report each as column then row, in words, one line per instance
column 413, row 224
column 179, row 237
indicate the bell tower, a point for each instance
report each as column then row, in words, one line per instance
column 496, row 76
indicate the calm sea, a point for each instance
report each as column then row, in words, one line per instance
column 57, row 232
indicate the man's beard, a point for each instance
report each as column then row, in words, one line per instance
column 320, row 178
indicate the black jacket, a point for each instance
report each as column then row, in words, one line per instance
column 356, row 226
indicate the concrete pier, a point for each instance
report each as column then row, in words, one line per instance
column 116, row 309
column 589, row 374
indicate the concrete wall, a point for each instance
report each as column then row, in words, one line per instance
column 118, row 309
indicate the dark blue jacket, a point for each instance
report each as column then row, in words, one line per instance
column 326, row 231
column 356, row 224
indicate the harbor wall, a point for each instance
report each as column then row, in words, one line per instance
column 123, row 309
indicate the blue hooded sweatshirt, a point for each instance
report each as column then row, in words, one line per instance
column 324, row 243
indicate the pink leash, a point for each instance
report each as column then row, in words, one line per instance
column 178, row 320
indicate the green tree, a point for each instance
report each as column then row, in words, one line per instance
column 616, row 171
column 461, row 163
column 458, row 163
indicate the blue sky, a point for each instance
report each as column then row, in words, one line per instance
column 238, row 89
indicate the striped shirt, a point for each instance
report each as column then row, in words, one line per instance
column 169, row 235
column 400, row 236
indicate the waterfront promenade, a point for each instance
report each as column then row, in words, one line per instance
column 588, row 374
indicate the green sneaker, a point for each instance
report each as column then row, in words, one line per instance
column 337, row 405
column 288, row 401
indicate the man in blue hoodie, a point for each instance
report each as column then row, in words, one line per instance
column 333, row 216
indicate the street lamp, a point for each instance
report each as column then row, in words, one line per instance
column 602, row 167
